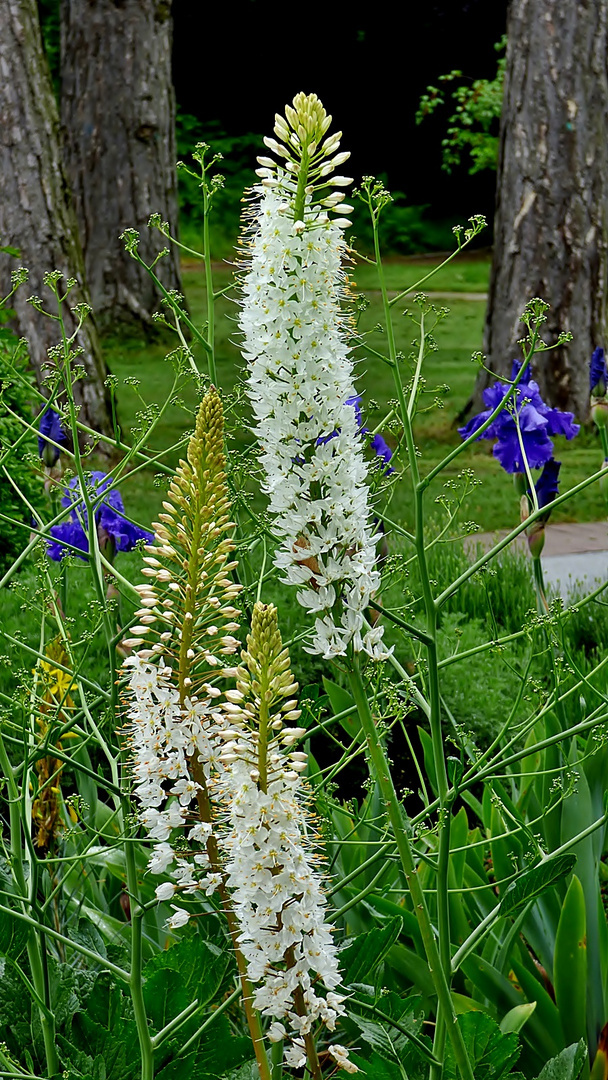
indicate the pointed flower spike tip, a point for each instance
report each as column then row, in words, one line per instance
column 304, row 154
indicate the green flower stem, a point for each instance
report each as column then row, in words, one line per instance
column 209, row 286
column 276, row 1060
column 604, row 441
column 395, row 815
column 146, row 1047
column 407, row 411
column 539, row 582
column 35, row 941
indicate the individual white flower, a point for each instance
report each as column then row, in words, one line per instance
column 301, row 388
column 340, row 1056
column 179, row 918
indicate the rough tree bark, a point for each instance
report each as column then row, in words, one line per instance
column 552, row 192
column 118, row 116
column 36, row 213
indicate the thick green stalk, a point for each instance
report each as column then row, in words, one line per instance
column 146, row 1047
column 209, row 287
column 394, row 810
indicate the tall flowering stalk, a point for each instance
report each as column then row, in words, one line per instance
column 187, row 606
column 276, row 893
column 300, row 380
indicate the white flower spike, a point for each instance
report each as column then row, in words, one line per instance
column 301, row 385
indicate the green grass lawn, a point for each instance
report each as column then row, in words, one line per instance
column 491, row 505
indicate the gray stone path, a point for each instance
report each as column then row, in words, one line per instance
column 574, row 554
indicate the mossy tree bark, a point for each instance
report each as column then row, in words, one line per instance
column 118, row 116
column 552, row 192
column 36, row 212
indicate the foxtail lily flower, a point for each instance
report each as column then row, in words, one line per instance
column 300, row 380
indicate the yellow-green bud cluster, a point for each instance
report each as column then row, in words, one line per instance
column 187, row 602
column 307, row 157
column 262, row 708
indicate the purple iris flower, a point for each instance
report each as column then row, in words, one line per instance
column 537, row 423
column 598, row 374
column 547, row 485
column 109, row 517
column 50, row 428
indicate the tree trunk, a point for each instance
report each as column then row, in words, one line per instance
column 36, row 213
column 118, row 116
column 552, row 193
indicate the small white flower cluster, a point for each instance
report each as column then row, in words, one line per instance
column 165, row 738
column 300, row 379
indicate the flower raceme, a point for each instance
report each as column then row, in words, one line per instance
column 276, row 894
column 187, row 610
column 523, row 429
column 300, row 381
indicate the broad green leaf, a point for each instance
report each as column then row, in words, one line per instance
column 200, row 965
column 515, row 1019
column 566, row 1066
column 544, row 1029
column 13, row 935
column 536, row 881
column 492, row 1053
column 408, row 965
column 570, row 964
column 362, row 957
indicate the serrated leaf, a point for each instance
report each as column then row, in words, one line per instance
column 492, row 1054
column 362, row 957
column 536, row 881
column 566, row 1066
column 13, row 936
column 200, row 965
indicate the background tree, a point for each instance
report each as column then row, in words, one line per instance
column 550, row 230
column 36, row 213
column 118, row 116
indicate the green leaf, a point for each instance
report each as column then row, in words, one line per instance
column 536, row 881
column 492, row 1053
column 570, row 964
column 199, row 968
column 13, row 936
column 515, row 1019
column 566, row 1066
column 340, row 700
column 362, row 957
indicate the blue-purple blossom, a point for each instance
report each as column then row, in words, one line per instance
column 50, row 428
column 537, row 423
column 109, row 517
column 547, row 485
column 598, row 374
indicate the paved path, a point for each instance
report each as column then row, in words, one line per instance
column 573, row 553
